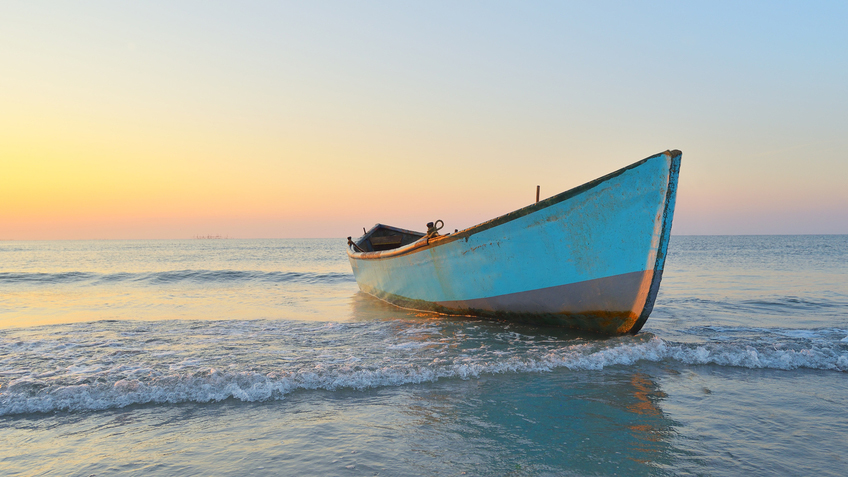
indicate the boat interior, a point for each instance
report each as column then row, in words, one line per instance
column 385, row 237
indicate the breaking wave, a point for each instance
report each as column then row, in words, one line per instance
column 153, row 367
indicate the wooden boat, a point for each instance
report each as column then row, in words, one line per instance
column 589, row 258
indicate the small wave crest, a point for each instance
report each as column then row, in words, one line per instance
column 173, row 277
column 80, row 388
column 40, row 277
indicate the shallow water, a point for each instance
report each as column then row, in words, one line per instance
column 260, row 357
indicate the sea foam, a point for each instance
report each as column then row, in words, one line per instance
column 340, row 356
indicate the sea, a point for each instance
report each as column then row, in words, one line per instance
column 262, row 357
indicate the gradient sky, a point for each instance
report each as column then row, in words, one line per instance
column 315, row 119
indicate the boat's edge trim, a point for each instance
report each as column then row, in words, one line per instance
column 516, row 214
column 662, row 249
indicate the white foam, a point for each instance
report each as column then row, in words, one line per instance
column 422, row 330
column 335, row 356
column 28, row 395
column 806, row 334
column 415, row 345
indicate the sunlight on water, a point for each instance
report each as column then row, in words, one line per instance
column 262, row 358
column 66, row 282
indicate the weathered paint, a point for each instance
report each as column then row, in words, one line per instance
column 590, row 258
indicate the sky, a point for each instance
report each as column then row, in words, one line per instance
column 146, row 120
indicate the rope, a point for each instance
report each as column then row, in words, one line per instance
column 434, row 227
column 355, row 247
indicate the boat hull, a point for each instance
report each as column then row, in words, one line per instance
column 589, row 258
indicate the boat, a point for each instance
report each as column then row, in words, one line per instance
column 590, row 258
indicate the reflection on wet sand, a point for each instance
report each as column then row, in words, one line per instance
column 565, row 420
column 647, row 396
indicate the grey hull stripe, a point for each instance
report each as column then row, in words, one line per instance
column 619, row 293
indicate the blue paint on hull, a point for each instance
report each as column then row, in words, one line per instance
column 617, row 225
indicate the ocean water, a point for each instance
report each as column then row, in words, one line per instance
column 261, row 357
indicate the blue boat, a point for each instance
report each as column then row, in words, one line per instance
column 589, row 258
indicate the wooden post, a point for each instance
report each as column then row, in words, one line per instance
column 537, row 194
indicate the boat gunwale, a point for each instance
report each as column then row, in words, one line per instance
column 428, row 242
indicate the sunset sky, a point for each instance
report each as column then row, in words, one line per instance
column 315, row 119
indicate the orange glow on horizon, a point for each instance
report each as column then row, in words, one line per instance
column 133, row 121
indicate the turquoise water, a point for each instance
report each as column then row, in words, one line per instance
column 260, row 357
